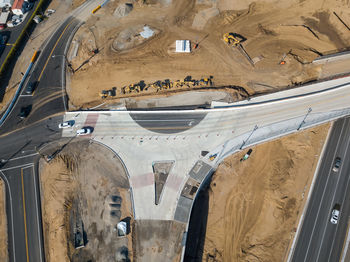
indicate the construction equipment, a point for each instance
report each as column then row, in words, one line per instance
column 108, row 93
column 235, row 40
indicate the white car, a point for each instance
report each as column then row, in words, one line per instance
column 66, row 124
column 335, row 216
column 84, row 131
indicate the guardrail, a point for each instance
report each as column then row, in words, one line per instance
column 9, row 108
column 19, row 39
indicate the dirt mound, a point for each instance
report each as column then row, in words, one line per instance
column 123, row 10
column 254, row 205
column 133, row 37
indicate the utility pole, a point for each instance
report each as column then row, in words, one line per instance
column 245, row 141
column 303, row 122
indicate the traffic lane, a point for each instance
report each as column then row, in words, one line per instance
column 46, row 54
column 335, row 234
column 19, row 236
column 26, row 141
column 340, row 239
column 9, row 215
column 332, row 184
column 32, row 213
column 329, row 230
column 319, row 187
column 167, row 123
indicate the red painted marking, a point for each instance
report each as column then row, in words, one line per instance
column 142, row 180
column 173, row 182
column 91, row 119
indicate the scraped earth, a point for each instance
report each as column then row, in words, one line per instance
column 3, row 224
column 80, row 191
column 296, row 31
column 255, row 205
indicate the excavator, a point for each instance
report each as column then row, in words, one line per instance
column 235, row 40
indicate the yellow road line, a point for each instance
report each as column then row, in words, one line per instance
column 47, row 61
column 24, row 216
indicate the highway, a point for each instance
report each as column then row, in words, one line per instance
column 319, row 239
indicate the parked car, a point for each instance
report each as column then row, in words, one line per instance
column 84, row 131
column 67, row 124
column 337, row 163
column 335, row 214
column 25, row 111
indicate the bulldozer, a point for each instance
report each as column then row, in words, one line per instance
column 108, row 93
column 235, row 40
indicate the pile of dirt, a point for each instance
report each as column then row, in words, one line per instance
column 3, row 224
column 255, row 205
column 295, row 31
column 85, row 193
column 133, row 37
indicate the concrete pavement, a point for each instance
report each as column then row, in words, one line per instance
column 181, row 137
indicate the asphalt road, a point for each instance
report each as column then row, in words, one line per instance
column 167, row 123
column 14, row 33
column 319, row 239
column 20, row 139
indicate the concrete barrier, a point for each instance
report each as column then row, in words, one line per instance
column 332, row 57
column 15, row 97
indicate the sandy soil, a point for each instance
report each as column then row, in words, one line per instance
column 3, row 224
column 77, row 186
column 301, row 29
column 255, row 218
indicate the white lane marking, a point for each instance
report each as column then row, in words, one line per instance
column 20, row 166
column 13, row 236
column 323, row 193
column 37, row 209
column 345, row 250
column 342, row 203
column 302, row 217
column 12, row 159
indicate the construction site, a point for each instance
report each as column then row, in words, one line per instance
column 162, row 53
column 138, row 50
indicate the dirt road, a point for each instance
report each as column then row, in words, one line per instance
column 255, row 205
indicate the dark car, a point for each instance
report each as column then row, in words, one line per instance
column 3, row 41
column 25, row 111
column 337, row 164
column 30, row 88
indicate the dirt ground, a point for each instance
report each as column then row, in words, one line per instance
column 3, row 225
column 77, row 191
column 255, row 218
column 298, row 30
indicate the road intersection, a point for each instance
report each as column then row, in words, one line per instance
column 141, row 138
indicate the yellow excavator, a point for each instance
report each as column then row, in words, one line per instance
column 232, row 39
column 235, row 40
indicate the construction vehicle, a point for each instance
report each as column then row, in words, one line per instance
column 212, row 157
column 108, row 93
column 235, row 40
